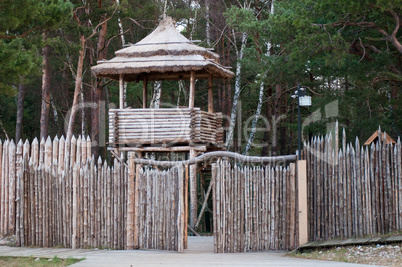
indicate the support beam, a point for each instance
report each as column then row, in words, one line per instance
column 204, row 205
column 210, row 95
column 302, row 201
column 121, row 91
column 162, row 149
column 193, row 190
column 145, row 92
column 192, row 90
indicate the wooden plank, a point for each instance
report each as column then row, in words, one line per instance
column 292, row 193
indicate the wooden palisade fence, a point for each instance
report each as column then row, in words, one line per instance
column 55, row 194
column 254, row 207
column 61, row 195
column 354, row 191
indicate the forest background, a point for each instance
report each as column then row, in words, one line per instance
column 348, row 54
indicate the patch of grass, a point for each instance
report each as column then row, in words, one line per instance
column 35, row 261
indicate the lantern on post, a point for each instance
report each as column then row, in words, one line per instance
column 303, row 101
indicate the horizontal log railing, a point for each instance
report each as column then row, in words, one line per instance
column 164, row 126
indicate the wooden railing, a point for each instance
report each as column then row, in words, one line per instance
column 164, row 126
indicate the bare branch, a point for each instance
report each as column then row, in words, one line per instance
column 18, row 36
column 100, row 24
column 136, row 22
column 364, row 49
column 397, row 23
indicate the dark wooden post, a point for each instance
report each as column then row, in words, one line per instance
column 210, row 95
column 145, row 92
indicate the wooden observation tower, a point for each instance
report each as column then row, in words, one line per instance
column 165, row 54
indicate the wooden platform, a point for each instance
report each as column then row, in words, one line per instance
column 350, row 242
column 168, row 126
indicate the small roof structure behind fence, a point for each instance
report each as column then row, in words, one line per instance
column 375, row 136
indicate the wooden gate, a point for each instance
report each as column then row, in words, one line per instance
column 159, row 212
column 254, row 207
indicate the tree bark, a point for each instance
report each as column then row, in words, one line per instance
column 156, row 96
column 97, row 91
column 255, row 119
column 77, row 89
column 20, row 109
column 44, row 116
column 207, row 25
column 233, row 114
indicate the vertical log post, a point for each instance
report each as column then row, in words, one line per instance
column 186, row 208
column 130, row 202
column 121, row 92
column 302, row 201
column 145, row 92
column 210, row 95
column 193, row 190
column 192, row 90
column 75, row 208
column 136, row 229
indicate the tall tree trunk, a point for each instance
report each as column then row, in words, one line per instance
column 268, row 114
column 156, row 96
column 233, row 114
column 255, row 119
column 97, row 91
column 44, row 116
column 207, row 25
column 20, row 109
column 77, row 89
column 275, row 119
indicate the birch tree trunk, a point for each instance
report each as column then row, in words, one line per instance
column 77, row 89
column 207, row 25
column 233, row 114
column 20, row 109
column 261, row 95
column 156, row 96
column 255, row 119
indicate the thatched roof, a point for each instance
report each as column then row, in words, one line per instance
column 164, row 54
